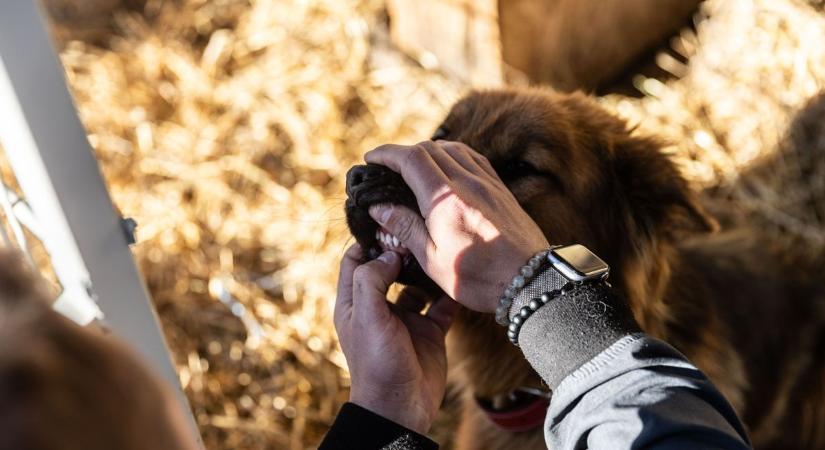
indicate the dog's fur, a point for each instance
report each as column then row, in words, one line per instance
column 749, row 315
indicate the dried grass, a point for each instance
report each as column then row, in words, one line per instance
column 753, row 64
column 225, row 128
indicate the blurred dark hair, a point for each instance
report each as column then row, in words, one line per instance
column 67, row 387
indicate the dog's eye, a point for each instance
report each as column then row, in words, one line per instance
column 441, row 133
column 520, row 166
column 516, row 168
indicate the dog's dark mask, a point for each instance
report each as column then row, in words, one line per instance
column 369, row 185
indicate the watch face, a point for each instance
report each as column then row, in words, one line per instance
column 584, row 262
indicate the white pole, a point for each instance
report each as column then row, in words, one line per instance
column 56, row 169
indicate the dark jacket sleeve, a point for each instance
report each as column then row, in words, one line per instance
column 357, row 428
column 615, row 387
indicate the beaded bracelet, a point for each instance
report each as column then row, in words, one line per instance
column 527, row 310
column 526, row 273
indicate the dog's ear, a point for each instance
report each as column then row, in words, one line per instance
column 658, row 197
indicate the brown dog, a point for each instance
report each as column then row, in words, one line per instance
column 749, row 316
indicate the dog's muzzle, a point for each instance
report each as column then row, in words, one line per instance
column 373, row 184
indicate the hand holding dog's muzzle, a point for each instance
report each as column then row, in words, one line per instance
column 473, row 236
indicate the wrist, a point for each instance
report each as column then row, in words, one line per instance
column 562, row 270
column 397, row 406
column 547, row 280
column 531, row 266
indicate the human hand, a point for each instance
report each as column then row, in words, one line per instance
column 396, row 355
column 474, row 236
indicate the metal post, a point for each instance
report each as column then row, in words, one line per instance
column 47, row 147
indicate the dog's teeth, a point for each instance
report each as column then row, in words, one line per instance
column 388, row 239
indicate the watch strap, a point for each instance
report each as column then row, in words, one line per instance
column 548, row 280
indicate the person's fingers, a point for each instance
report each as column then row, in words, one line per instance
column 343, row 300
column 442, row 311
column 370, row 282
column 407, row 226
column 417, row 168
column 444, row 160
column 412, row 299
column 461, row 157
column 469, row 158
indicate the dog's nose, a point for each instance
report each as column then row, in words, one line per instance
column 360, row 175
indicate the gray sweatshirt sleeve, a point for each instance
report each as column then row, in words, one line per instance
column 615, row 387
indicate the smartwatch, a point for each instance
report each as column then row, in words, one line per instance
column 565, row 265
column 577, row 263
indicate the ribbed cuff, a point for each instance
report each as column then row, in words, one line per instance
column 573, row 328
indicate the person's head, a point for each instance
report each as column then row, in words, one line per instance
column 67, row 387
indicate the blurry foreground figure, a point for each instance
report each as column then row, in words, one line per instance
column 66, row 387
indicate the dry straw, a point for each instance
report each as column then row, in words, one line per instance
column 752, row 66
column 225, row 128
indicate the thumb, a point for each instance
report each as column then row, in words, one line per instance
column 408, row 226
column 370, row 282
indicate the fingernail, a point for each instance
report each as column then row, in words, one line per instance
column 388, row 257
column 380, row 213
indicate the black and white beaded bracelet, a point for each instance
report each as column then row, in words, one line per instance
column 531, row 307
column 525, row 275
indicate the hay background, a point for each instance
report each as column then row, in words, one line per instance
column 225, row 127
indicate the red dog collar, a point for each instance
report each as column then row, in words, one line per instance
column 527, row 415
